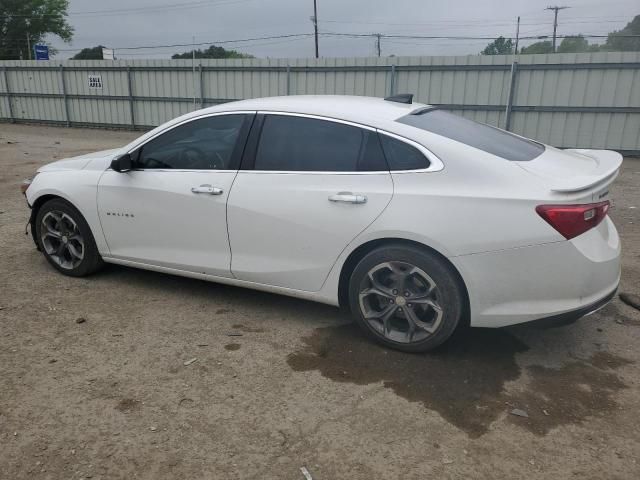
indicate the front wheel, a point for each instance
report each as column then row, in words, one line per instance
column 405, row 298
column 65, row 239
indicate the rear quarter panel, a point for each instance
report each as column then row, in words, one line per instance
column 477, row 203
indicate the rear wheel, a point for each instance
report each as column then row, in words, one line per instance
column 66, row 240
column 405, row 298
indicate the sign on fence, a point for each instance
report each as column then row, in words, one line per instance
column 41, row 51
column 95, row 81
column 107, row 54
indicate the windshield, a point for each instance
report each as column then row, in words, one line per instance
column 478, row 135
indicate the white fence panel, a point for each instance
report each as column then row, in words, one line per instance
column 589, row 100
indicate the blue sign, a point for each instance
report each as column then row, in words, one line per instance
column 42, row 52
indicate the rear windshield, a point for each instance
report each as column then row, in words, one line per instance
column 478, row 135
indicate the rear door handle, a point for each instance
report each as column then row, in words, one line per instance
column 347, row 197
column 207, row 189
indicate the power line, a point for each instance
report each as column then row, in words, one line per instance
column 463, row 37
column 394, row 38
column 471, row 23
column 349, row 35
column 257, row 44
column 215, row 42
column 137, row 10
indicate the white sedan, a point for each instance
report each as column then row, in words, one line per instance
column 416, row 219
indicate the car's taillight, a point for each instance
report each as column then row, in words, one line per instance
column 573, row 220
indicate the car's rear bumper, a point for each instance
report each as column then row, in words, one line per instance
column 567, row 318
column 560, row 280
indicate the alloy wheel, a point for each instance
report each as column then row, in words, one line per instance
column 61, row 239
column 400, row 301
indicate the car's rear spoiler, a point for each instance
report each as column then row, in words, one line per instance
column 609, row 163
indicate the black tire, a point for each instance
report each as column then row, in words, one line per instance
column 91, row 260
column 447, row 295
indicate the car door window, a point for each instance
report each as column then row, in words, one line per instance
column 291, row 143
column 402, row 156
column 203, row 144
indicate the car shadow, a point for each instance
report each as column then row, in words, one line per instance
column 468, row 380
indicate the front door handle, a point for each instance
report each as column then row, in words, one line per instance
column 347, row 197
column 207, row 189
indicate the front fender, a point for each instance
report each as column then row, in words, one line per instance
column 79, row 188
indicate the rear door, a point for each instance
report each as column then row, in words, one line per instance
column 307, row 187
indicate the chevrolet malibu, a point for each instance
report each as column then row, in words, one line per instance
column 417, row 220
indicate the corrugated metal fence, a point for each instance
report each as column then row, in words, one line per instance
column 567, row 100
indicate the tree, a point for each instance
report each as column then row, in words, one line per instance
column 94, row 53
column 538, row 47
column 576, row 45
column 26, row 22
column 617, row 43
column 500, row 46
column 213, row 52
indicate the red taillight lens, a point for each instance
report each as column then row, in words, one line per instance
column 573, row 220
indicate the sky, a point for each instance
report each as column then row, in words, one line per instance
column 121, row 24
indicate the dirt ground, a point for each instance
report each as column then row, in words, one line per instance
column 93, row 380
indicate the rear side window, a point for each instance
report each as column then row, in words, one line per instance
column 402, row 156
column 290, row 143
column 478, row 135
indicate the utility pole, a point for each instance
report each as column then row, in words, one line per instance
column 28, row 39
column 517, row 35
column 378, row 36
column 315, row 24
column 29, row 45
column 193, row 69
column 555, row 23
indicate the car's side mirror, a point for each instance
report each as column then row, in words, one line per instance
column 122, row 163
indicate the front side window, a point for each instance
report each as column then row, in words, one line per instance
column 478, row 135
column 290, row 143
column 203, row 144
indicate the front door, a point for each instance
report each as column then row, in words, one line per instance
column 311, row 186
column 170, row 210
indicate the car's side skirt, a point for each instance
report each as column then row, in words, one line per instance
column 312, row 296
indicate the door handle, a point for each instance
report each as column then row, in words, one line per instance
column 348, row 197
column 207, row 189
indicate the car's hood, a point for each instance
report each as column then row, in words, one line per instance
column 95, row 161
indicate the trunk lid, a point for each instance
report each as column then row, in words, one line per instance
column 576, row 170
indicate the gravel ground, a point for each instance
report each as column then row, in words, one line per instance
column 96, row 379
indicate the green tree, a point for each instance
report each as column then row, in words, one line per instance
column 213, row 52
column 24, row 22
column 576, row 45
column 538, row 47
column 500, row 46
column 617, row 43
column 94, row 53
